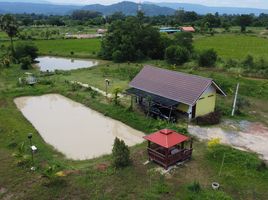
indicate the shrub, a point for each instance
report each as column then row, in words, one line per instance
column 26, row 49
column 241, row 103
column 25, row 63
column 231, row 63
column 262, row 166
column 118, row 56
column 5, row 61
column 194, row 187
column 248, row 62
column 120, row 154
column 209, row 119
column 213, row 142
column 54, row 176
column 207, row 58
column 22, row 158
column 116, row 92
column 93, row 94
column 177, row 55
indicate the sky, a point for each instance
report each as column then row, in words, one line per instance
column 231, row 3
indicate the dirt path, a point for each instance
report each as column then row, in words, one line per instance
column 243, row 135
column 109, row 95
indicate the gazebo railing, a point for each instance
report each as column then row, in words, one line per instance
column 170, row 159
column 156, row 156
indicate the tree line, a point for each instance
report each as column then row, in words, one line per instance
column 180, row 17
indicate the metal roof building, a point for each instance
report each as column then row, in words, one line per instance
column 172, row 88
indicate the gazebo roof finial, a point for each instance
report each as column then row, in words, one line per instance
column 166, row 131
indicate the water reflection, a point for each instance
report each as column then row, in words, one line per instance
column 48, row 63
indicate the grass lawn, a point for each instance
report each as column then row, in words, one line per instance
column 234, row 46
column 242, row 177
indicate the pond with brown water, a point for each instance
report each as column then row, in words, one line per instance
column 74, row 129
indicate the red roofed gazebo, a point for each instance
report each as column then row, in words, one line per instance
column 167, row 147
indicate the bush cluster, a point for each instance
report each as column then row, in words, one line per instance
column 26, row 49
column 249, row 65
column 209, row 119
column 207, row 58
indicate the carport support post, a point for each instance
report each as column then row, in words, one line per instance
column 170, row 114
column 131, row 102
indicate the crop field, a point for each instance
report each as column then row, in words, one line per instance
column 234, row 46
column 69, row 47
column 84, row 48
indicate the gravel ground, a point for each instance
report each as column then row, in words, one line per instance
column 244, row 135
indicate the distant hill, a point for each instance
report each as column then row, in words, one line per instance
column 27, row 1
column 201, row 9
column 38, row 8
column 126, row 7
column 130, row 8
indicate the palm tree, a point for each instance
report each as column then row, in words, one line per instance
column 9, row 24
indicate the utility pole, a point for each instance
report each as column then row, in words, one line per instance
column 139, row 7
column 235, row 99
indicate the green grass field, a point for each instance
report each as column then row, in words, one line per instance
column 64, row 47
column 84, row 48
column 234, row 46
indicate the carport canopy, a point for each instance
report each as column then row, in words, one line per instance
column 155, row 98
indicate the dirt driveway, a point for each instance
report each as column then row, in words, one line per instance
column 244, row 135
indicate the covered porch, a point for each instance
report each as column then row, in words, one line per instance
column 167, row 147
column 147, row 100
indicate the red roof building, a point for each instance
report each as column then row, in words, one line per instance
column 166, row 147
column 187, row 29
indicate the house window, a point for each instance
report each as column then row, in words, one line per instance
column 211, row 95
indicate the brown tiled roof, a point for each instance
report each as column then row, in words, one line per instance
column 180, row 87
column 188, row 28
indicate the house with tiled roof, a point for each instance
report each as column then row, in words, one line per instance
column 186, row 93
column 187, row 29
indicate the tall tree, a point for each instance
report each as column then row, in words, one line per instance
column 184, row 39
column 244, row 21
column 9, row 24
column 131, row 40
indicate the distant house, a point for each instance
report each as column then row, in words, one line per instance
column 187, row 29
column 82, row 36
column 169, row 30
column 101, row 31
column 189, row 94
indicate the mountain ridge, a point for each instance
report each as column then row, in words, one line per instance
column 202, row 9
column 126, row 7
column 130, row 8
